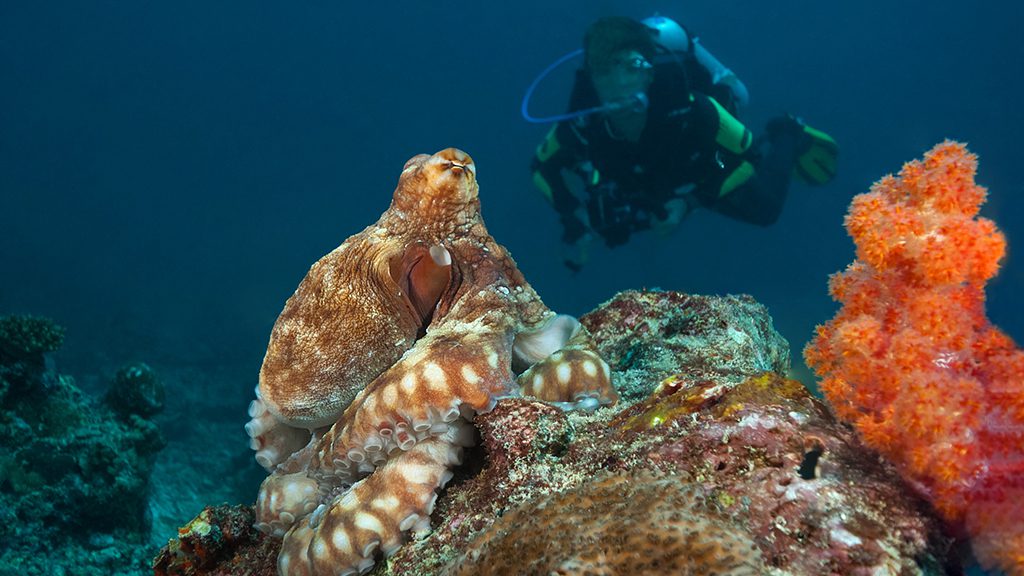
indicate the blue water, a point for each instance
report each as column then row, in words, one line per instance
column 169, row 170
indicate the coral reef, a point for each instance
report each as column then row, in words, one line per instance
column 28, row 337
column 711, row 407
column 73, row 476
column 914, row 363
column 25, row 342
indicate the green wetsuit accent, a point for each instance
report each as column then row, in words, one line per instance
column 732, row 134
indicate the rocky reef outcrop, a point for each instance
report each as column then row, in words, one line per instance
column 713, row 462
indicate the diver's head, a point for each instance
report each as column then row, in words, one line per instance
column 618, row 53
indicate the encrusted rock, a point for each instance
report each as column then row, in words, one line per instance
column 636, row 524
column 220, row 541
column 647, row 336
column 707, row 401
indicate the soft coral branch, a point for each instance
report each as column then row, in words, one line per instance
column 913, row 362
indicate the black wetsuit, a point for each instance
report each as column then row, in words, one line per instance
column 690, row 145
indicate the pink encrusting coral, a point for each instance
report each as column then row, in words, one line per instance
column 914, row 363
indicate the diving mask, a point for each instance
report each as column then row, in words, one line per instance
column 630, row 74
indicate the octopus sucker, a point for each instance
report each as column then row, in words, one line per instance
column 409, row 522
column 405, row 441
column 380, row 360
column 365, row 565
column 373, row 444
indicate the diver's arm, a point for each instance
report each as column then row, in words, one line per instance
column 743, row 181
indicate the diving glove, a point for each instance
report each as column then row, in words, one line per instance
column 816, row 152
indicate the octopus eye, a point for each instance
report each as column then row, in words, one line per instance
column 458, row 167
column 455, row 160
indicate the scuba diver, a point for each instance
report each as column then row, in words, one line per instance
column 652, row 133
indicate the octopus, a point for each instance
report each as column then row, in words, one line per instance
column 380, row 360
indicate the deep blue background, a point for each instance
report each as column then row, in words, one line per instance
column 169, row 170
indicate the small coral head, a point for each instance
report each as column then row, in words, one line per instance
column 444, row 182
column 924, row 222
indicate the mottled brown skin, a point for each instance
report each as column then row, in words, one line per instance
column 318, row 360
column 396, row 337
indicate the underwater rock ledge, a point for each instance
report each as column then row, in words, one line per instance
column 762, row 479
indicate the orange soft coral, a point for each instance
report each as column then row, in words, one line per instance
column 911, row 359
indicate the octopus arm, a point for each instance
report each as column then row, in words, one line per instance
column 273, row 441
column 574, row 376
column 453, row 372
column 345, row 535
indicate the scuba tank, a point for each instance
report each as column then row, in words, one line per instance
column 674, row 38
